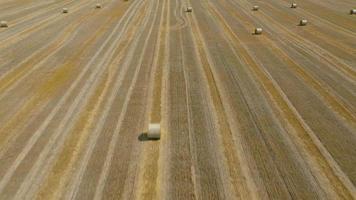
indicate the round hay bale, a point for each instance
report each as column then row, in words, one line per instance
column 255, row 8
column 303, row 22
column 353, row 11
column 294, row 5
column 189, row 9
column 154, row 131
column 258, row 31
column 65, row 10
column 98, row 5
column 3, row 24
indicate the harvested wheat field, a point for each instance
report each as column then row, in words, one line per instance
column 177, row 99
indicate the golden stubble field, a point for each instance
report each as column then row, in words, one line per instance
column 242, row 115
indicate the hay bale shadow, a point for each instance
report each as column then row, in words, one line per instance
column 143, row 137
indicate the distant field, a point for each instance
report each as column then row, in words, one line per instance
column 242, row 115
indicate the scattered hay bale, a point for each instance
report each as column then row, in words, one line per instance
column 303, row 22
column 189, row 9
column 353, row 12
column 255, row 8
column 98, row 5
column 3, row 24
column 294, row 5
column 65, row 10
column 258, row 31
column 154, row 131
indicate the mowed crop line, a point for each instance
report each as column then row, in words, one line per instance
column 313, row 143
column 80, row 138
column 115, row 137
column 338, row 65
column 138, row 107
column 245, row 131
column 54, row 155
column 181, row 23
column 56, row 8
column 10, row 79
column 204, row 127
column 303, row 11
column 204, row 175
column 179, row 178
column 317, row 19
column 325, row 92
column 36, row 61
column 40, row 25
column 330, row 4
column 253, row 120
column 266, row 140
column 27, row 107
column 39, row 56
column 162, row 164
column 13, row 120
column 204, row 124
column 19, row 9
column 39, row 131
column 333, row 150
column 147, row 187
column 242, row 186
column 193, row 155
column 22, row 34
column 21, row 113
column 310, row 68
column 6, row 6
column 75, row 182
column 317, row 29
